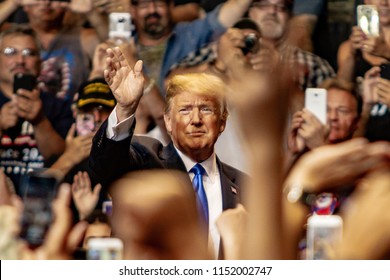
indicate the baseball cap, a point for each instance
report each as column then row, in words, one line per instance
column 95, row 92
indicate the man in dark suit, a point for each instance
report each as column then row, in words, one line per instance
column 195, row 116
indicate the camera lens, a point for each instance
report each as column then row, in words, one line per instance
column 251, row 44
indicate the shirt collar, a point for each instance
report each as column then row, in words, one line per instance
column 210, row 164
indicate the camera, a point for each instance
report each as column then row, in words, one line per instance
column 251, row 44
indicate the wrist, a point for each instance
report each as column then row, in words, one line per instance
column 39, row 119
column 123, row 112
column 149, row 87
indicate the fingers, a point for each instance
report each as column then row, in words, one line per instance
column 57, row 234
column 81, row 183
column 373, row 72
column 71, row 132
column 97, row 190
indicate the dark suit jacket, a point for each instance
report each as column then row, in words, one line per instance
column 109, row 160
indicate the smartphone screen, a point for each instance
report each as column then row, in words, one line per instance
column 368, row 19
column 105, row 248
column 85, row 123
column 323, row 232
column 315, row 102
column 39, row 190
column 24, row 81
column 385, row 71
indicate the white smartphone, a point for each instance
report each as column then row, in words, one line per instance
column 368, row 19
column 315, row 102
column 120, row 26
column 323, row 233
column 104, row 248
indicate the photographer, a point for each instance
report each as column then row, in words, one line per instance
column 33, row 123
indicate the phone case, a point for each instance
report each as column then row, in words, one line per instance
column 315, row 102
column 323, row 232
column 368, row 19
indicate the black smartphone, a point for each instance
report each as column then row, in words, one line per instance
column 385, row 71
column 24, row 81
column 39, row 190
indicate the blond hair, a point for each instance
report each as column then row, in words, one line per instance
column 200, row 84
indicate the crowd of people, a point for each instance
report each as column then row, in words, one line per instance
column 190, row 140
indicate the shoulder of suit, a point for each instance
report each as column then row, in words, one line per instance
column 233, row 172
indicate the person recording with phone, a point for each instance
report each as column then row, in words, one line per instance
column 376, row 103
column 33, row 123
column 343, row 107
column 92, row 107
column 365, row 49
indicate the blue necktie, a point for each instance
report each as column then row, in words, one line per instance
column 203, row 207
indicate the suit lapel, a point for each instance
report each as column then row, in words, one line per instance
column 230, row 191
column 171, row 159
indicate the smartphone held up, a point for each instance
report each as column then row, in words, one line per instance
column 39, row 189
column 315, row 102
column 24, row 81
column 324, row 232
column 368, row 19
column 120, row 26
column 106, row 248
column 85, row 124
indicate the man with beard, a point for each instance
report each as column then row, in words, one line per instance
column 160, row 43
column 273, row 17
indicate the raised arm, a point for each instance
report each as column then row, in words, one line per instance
column 126, row 83
column 7, row 8
column 260, row 99
column 232, row 11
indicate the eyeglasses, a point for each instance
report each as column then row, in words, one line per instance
column 266, row 5
column 27, row 52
